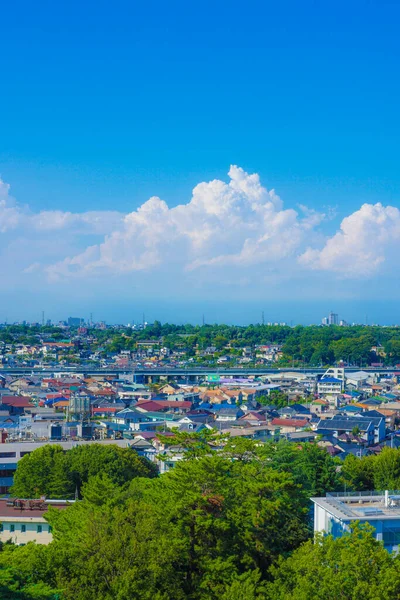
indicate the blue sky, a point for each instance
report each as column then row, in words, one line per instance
column 105, row 105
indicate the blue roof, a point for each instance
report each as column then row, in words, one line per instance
column 217, row 407
column 350, row 408
column 330, row 380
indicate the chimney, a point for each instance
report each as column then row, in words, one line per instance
column 386, row 498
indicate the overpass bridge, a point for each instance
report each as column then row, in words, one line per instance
column 182, row 373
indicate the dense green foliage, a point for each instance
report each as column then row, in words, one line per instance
column 313, row 345
column 23, row 570
column 188, row 534
column 51, row 472
column 230, row 523
column 380, row 472
column 352, row 567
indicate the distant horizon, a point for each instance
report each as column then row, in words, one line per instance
column 254, row 318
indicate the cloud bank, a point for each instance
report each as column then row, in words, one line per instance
column 234, row 231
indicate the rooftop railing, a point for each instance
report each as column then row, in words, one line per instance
column 350, row 494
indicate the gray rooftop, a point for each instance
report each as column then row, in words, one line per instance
column 345, row 424
column 361, row 505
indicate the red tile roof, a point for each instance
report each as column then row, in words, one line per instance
column 148, row 406
column 289, row 422
column 108, row 409
column 174, row 403
column 25, row 511
column 18, row 401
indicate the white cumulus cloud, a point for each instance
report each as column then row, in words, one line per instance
column 90, row 222
column 9, row 212
column 365, row 240
column 229, row 235
column 239, row 223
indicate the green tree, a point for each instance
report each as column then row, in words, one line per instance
column 310, row 466
column 278, row 399
column 351, row 567
column 209, row 527
column 23, row 571
column 387, row 470
column 54, row 473
column 358, row 473
column 35, row 471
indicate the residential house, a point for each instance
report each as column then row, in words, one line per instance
column 339, row 425
column 289, row 425
column 225, row 413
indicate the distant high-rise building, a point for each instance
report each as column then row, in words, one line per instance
column 75, row 321
column 333, row 319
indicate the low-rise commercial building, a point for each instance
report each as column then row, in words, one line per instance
column 23, row 521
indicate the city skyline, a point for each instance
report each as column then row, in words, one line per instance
column 141, row 321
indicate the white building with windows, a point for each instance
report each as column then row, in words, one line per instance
column 23, row 521
column 331, row 384
column 334, row 513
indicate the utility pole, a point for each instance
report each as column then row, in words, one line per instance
column 203, row 320
column 42, row 318
column 262, row 318
column 91, row 320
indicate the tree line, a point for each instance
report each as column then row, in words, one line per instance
column 309, row 345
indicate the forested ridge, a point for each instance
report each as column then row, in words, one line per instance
column 232, row 524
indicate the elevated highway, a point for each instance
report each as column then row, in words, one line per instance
column 190, row 373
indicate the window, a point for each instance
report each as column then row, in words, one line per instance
column 7, row 473
column 39, row 529
column 8, row 454
column 12, row 528
column 24, row 453
column 50, row 529
column 1, row 527
column 23, row 528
